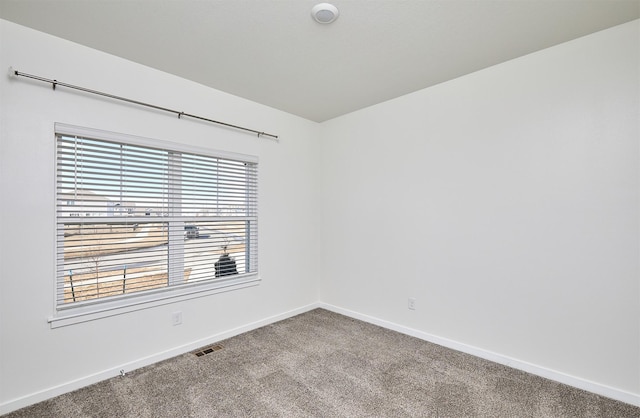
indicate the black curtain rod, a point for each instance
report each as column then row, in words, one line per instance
column 55, row 83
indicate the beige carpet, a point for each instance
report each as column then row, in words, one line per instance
column 321, row 364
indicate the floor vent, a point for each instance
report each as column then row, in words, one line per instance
column 206, row 350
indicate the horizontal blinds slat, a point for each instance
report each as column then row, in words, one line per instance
column 139, row 157
column 127, row 220
column 102, row 253
column 71, row 166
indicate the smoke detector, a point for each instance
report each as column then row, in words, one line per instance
column 324, row 13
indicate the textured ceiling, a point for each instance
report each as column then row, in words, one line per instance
column 274, row 53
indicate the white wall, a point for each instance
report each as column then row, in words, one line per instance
column 37, row 361
column 507, row 203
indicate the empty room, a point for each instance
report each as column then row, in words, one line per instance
column 290, row 208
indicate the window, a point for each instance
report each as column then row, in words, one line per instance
column 156, row 218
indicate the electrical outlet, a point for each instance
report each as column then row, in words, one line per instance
column 176, row 318
column 412, row 304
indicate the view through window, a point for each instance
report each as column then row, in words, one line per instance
column 134, row 218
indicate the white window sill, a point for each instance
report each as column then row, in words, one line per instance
column 106, row 308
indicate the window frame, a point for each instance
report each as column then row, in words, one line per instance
column 116, row 305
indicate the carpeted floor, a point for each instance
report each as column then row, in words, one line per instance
column 321, row 364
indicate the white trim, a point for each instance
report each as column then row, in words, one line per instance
column 151, row 299
column 589, row 386
column 72, row 385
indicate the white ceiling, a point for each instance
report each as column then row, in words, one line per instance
column 274, row 53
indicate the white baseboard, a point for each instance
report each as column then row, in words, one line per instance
column 560, row 377
column 579, row 383
column 40, row 396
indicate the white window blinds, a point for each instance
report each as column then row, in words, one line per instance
column 135, row 218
